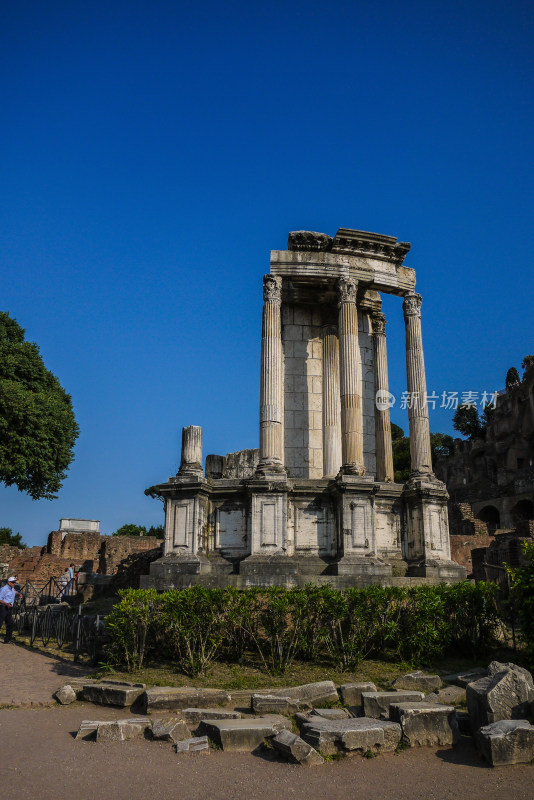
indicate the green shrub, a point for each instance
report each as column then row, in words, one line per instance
column 522, row 595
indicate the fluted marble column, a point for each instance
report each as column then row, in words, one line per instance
column 384, row 449
column 350, row 380
column 420, row 453
column 331, row 403
column 191, row 459
column 272, row 379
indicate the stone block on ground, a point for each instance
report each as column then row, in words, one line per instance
column 310, row 694
column 78, row 683
column 198, row 744
column 171, row 698
column 355, row 735
column 448, row 696
column 170, row 729
column 376, row 704
column 351, row 693
column 330, row 713
column 467, row 676
column 192, row 716
column 418, row 681
column 66, row 695
column 242, row 735
column 296, row 749
column 506, row 694
column 506, row 742
column 273, row 704
column 425, row 724
column 87, row 729
column 123, row 729
column 113, row 693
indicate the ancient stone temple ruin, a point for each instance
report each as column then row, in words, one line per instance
column 317, row 502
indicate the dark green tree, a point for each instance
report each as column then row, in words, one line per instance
column 441, row 444
column 512, row 378
column 130, row 530
column 466, row 421
column 156, row 530
column 12, row 539
column 37, row 425
column 527, row 362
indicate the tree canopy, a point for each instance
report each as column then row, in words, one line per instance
column 467, row 422
column 130, row 529
column 37, row 425
column 12, row 539
column 441, row 444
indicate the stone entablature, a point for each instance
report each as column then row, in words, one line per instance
column 321, row 499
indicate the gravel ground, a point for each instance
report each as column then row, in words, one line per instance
column 41, row 759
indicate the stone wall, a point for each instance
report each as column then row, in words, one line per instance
column 462, row 549
column 116, row 549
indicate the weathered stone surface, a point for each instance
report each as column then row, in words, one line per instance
column 273, row 704
column 376, row 704
column 505, row 666
column 198, row 744
column 171, row 698
column 310, row 694
column 351, row 735
column 123, row 729
column 418, row 682
column 170, row 729
column 330, row 713
column 449, row 696
column 425, row 724
column 66, row 695
column 503, row 695
column 243, row 734
column 192, row 716
column 506, row 742
column 296, row 749
column 88, row 728
column 351, row 693
column 113, row 693
column 463, row 678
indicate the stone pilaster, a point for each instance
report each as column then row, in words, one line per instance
column 271, row 380
column 331, row 403
column 350, row 380
column 191, row 460
column 420, row 453
column 384, row 450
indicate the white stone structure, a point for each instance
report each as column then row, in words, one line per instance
column 318, row 501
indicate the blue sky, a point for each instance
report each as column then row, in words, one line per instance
column 154, row 152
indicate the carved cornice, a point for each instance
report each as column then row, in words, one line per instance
column 272, row 289
column 412, row 304
column 308, row 240
column 378, row 321
column 350, row 242
column 347, row 289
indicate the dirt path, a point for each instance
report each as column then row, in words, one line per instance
column 40, row 758
column 30, row 678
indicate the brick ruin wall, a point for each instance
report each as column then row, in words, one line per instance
column 88, row 551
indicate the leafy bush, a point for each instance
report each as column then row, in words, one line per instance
column 522, row 595
column 195, row 626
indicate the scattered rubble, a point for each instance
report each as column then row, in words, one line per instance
column 296, row 749
column 350, row 736
column 170, row 729
column 198, row 744
column 506, row 742
column 273, row 704
column 376, row 704
column 242, row 735
column 418, row 682
column 425, row 724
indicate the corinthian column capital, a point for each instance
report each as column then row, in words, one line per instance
column 272, row 289
column 412, row 304
column 347, row 288
column 378, row 321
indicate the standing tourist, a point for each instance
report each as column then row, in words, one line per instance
column 8, row 594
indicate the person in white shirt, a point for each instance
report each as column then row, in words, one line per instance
column 8, row 594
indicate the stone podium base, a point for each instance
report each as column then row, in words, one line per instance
column 440, row 571
column 361, row 567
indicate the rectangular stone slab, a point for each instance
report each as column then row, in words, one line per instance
column 170, row 729
column 123, row 729
column 88, row 727
column 506, row 742
column 351, row 735
column 198, row 744
column 113, row 693
column 351, row 693
column 242, row 735
column 273, row 704
column 310, row 694
column 296, row 749
column 194, row 715
column 172, row 698
column 425, row 724
column 376, row 704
